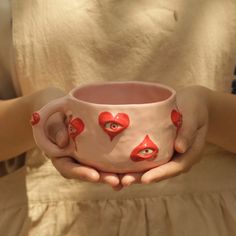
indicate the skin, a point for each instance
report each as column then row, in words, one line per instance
column 204, row 113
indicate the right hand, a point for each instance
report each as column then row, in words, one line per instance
column 68, row 167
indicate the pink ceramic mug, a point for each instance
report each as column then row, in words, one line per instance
column 115, row 127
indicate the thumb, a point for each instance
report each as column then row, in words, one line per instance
column 57, row 130
column 61, row 137
column 185, row 137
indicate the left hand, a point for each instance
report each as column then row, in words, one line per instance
column 189, row 143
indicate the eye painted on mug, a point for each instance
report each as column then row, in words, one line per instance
column 75, row 127
column 113, row 124
column 146, row 150
column 72, row 130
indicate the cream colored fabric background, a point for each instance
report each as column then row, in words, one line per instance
column 66, row 43
column 175, row 42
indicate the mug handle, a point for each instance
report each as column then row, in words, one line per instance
column 38, row 120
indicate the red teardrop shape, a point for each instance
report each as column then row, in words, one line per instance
column 35, row 118
column 146, row 150
column 176, row 118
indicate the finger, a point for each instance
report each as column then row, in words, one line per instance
column 57, row 130
column 118, row 187
column 179, row 164
column 131, row 178
column 185, row 137
column 110, row 179
column 71, row 169
column 170, row 169
column 62, row 139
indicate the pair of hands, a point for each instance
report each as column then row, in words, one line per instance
column 194, row 106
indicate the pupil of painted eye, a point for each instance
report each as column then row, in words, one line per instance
column 114, row 126
column 72, row 129
column 147, row 151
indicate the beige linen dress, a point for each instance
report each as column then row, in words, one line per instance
column 65, row 43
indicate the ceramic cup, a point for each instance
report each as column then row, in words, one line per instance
column 116, row 126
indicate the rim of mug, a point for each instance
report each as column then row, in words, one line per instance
column 164, row 102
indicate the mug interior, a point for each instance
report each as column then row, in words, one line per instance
column 122, row 93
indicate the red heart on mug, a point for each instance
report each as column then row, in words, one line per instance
column 75, row 127
column 113, row 125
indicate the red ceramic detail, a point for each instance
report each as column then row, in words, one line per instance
column 176, row 118
column 113, row 125
column 146, row 150
column 75, row 127
column 35, row 118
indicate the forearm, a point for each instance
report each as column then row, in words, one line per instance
column 222, row 120
column 15, row 129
